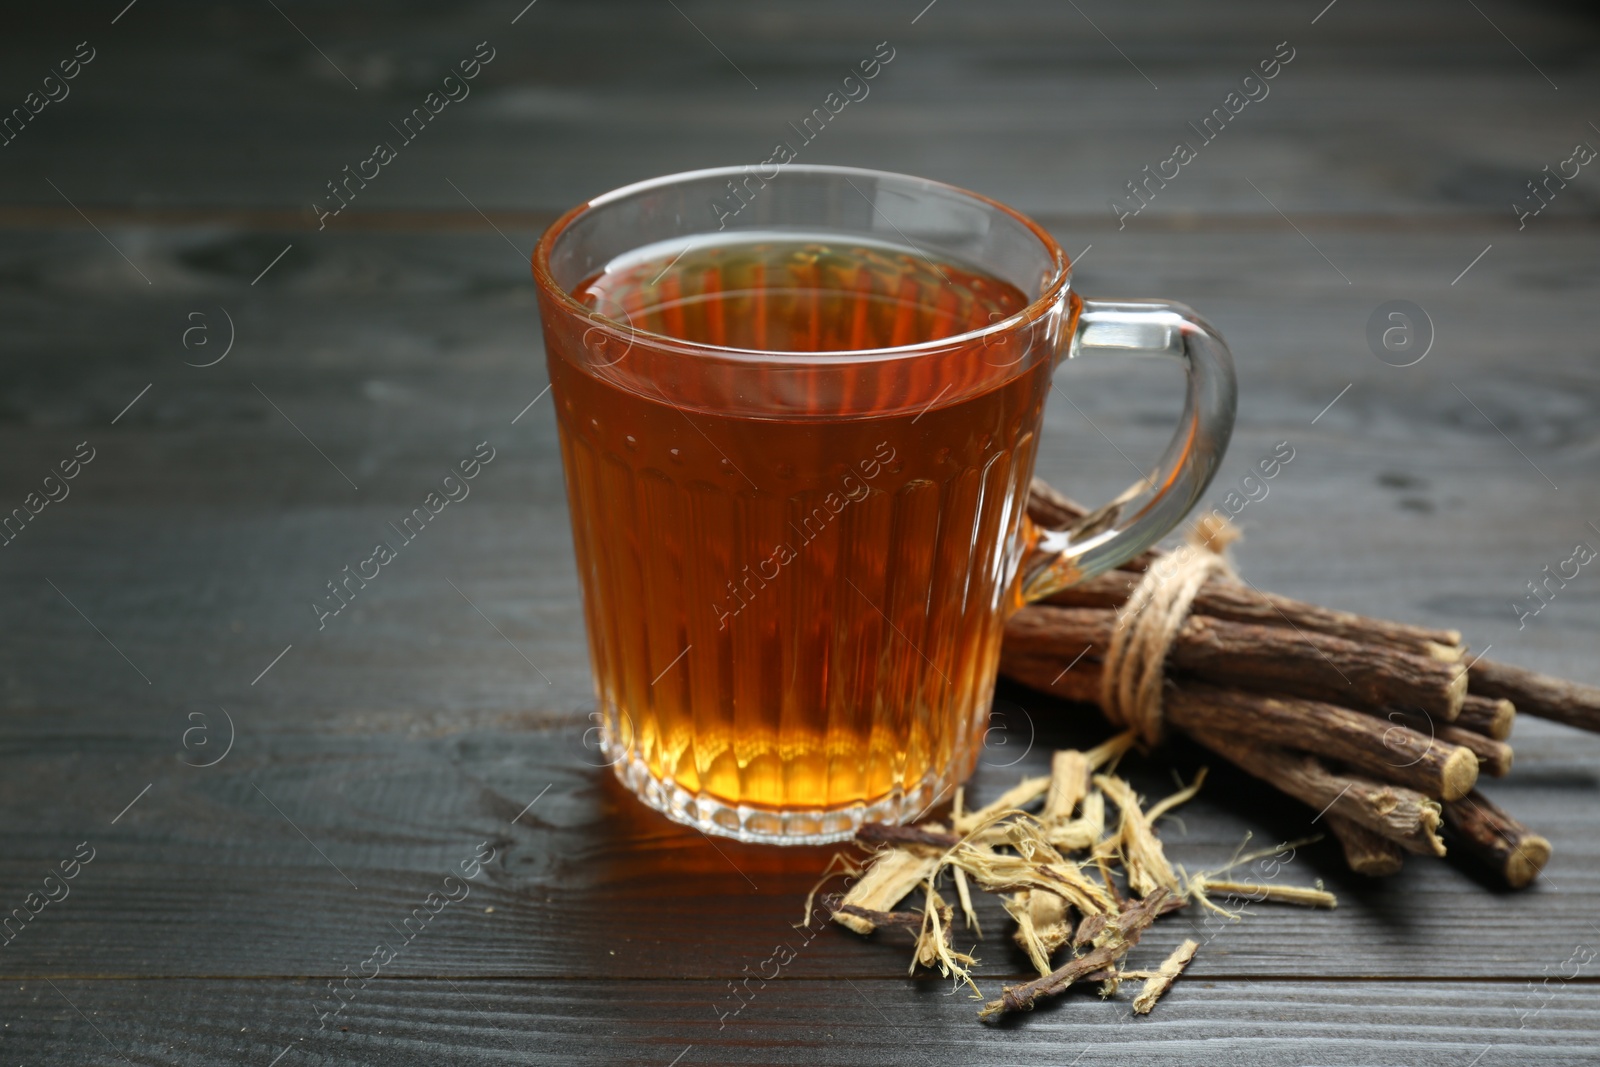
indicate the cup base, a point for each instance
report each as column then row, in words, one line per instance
column 764, row 826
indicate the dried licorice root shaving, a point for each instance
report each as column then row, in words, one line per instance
column 1070, row 882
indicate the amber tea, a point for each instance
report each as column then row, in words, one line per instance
column 798, row 612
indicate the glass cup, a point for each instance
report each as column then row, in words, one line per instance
column 797, row 462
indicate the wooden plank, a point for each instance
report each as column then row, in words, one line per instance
column 303, row 845
column 791, row 1021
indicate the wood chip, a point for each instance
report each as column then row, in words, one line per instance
column 1084, row 831
column 1069, row 784
column 1119, row 935
column 965, row 896
column 1161, row 981
column 893, row 875
column 1001, row 873
column 1042, row 925
column 1277, row 894
column 1018, row 796
column 933, row 943
column 1141, row 851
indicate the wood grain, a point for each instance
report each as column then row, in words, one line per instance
column 793, row 1021
column 395, row 804
column 417, row 724
column 1316, row 666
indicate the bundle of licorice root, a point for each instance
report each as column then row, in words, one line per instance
column 1382, row 727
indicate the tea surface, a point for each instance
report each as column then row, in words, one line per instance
column 787, row 295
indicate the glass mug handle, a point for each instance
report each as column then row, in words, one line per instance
column 1148, row 509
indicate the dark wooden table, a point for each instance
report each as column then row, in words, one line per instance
column 264, row 802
